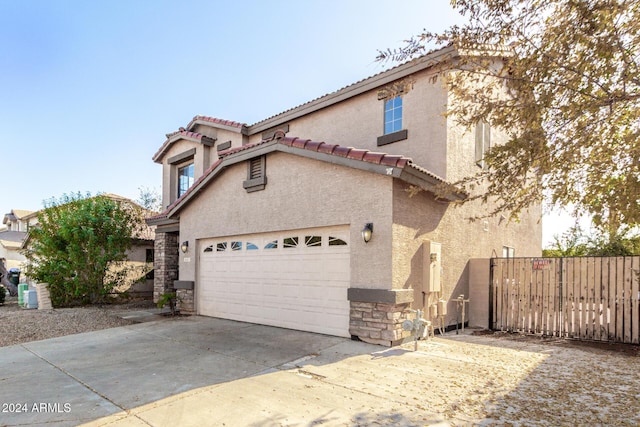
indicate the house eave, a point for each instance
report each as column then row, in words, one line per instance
column 427, row 61
column 437, row 186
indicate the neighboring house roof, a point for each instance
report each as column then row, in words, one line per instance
column 397, row 166
column 147, row 232
column 12, row 239
column 15, row 215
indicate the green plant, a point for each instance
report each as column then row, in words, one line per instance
column 171, row 299
column 3, row 293
column 79, row 240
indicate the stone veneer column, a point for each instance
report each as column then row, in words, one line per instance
column 165, row 263
column 376, row 315
column 185, row 301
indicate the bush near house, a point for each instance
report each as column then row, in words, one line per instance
column 78, row 241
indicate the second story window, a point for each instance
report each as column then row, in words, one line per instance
column 185, row 178
column 392, row 115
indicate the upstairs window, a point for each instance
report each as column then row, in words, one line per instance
column 392, row 115
column 483, row 142
column 185, row 178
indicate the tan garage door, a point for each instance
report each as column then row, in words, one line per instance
column 293, row 279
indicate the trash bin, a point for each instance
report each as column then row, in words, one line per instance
column 14, row 276
column 30, row 299
column 22, row 287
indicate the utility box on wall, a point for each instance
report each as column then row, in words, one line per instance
column 432, row 265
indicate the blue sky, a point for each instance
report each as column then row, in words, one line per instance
column 88, row 89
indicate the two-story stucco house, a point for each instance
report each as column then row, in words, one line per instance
column 310, row 219
column 17, row 224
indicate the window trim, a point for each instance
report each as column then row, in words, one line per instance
column 510, row 251
column 393, row 137
column 192, row 177
column 394, row 120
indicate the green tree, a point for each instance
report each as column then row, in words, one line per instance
column 571, row 243
column 150, row 199
column 571, row 111
column 77, row 241
column 621, row 243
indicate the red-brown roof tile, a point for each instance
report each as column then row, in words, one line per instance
column 356, row 154
column 313, row 145
column 341, row 151
column 172, row 137
column 214, row 120
column 327, row 148
column 390, row 159
column 373, row 157
column 353, row 154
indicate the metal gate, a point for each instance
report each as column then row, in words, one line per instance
column 588, row 298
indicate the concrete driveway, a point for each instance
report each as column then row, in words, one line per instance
column 204, row 371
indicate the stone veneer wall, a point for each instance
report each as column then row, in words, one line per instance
column 379, row 323
column 165, row 263
column 185, row 301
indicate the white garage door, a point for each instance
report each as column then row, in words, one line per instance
column 294, row 279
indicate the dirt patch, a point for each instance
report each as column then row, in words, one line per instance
column 588, row 346
column 18, row 325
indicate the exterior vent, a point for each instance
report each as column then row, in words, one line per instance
column 256, row 174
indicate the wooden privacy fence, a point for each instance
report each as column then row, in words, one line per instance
column 588, row 298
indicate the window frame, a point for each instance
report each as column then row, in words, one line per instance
column 191, row 178
column 508, row 252
column 392, row 106
column 396, row 132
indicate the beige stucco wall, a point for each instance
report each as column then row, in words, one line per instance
column 358, row 122
column 420, row 218
column 204, row 157
column 300, row 193
column 13, row 257
column 221, row 135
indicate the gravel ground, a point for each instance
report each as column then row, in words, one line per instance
column 18, row 325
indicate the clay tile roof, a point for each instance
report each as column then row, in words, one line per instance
column 356, row 154
column 429, row 58
column 349, row 153
column 172, row 137
column 341, row 151
column 214, row 120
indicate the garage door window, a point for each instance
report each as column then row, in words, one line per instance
column 290, row 242
column 334, row 241
column 304, row 241
column 313, row 240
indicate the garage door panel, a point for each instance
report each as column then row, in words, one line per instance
column 302, row 287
